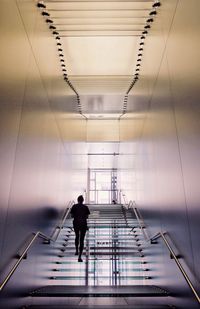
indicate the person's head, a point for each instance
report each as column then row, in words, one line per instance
column 80, row 199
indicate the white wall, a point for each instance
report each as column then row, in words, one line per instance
column 167, row 154
column 37, row 166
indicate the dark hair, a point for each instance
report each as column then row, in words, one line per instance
column 80, row 199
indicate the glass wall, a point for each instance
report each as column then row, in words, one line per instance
column 103, row 186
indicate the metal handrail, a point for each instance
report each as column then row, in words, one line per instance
column 141, row 224
column 180, row 266
column 34, row 237
column 60, row 226
column 166, row 242
column 123, row 195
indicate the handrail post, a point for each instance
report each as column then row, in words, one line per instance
column 123, row 195
column 141, row 224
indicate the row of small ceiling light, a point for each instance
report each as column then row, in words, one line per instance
column 149, row 21
column 56, row 35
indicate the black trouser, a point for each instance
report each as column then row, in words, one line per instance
column 79, row 239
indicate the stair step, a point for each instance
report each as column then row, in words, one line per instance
column 113, row 248
column 69, row 246
column 106, row 225
column 97, row 307
column 127, row 262
column 100, row 291
column 68, row 270
column 132, row 242
column 106, row 238
column 126, row 253
column 107, row 222
column 109, row 236
column 99, row 277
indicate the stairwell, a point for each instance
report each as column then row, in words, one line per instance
column 115, row 272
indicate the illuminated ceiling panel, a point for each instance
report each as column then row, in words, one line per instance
column 100, row 42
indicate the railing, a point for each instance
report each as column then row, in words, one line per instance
column 124, row 198
column 141, row 223
column 161, row 235
column 36, row 235
column 58, row 228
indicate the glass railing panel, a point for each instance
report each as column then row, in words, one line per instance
column 110, row 256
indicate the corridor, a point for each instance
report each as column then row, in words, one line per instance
column 100, row 98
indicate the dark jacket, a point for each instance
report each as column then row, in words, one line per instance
column 80, row 214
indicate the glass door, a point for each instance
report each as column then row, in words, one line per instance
column 103, row 186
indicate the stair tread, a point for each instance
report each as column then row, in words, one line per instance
column 117, row 291
column 97, row 307
column 101, row 277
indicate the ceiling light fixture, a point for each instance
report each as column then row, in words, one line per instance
column 152, row 13
column 52, row 27
column 49, row 21
column 156, row 4
column 147, row 26
column 41, row 5
column 45, row 14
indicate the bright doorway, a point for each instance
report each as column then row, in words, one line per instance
column 102, row 186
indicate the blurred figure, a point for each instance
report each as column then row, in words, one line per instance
column 80, row 213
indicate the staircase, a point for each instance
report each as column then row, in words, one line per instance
column 114, row 273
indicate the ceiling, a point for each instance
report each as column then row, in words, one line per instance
column 99, row 44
